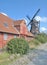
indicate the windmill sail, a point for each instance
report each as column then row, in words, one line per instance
column 34, row 23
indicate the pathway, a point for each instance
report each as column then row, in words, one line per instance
column 40, row 56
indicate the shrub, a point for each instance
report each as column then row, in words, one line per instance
column 42, row 38
column 17, row 45
column 34, row 42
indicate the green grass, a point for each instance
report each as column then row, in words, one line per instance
column 39, row 39
column 5, row 58
column 5, row 62
column 42, row 38
column 4, row 55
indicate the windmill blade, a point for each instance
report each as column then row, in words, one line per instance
column 33, row 17
column 28, row 17
column 30, row 23
column 35, row 14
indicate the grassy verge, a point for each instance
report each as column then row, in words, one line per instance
column 39, row 39
column 6, row 58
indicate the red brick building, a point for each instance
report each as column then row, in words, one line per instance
column 11, row 29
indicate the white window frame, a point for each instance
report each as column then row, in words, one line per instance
column 5, row 36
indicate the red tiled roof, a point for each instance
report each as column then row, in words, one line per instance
column 10, row 28
column 18, row 22
column 30, row 34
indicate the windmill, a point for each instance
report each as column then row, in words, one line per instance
column 35, row 25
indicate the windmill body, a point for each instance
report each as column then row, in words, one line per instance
column 35, row 27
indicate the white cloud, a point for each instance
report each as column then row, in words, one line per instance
column 43, row 29
column 4, row 14
column 41, row 19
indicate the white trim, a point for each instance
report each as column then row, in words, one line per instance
column 5, row 36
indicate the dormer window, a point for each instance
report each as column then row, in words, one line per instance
column 6, row 24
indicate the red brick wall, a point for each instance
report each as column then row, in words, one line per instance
column 10, row 36
column 4, row 42
column 1, row 40
column 23, row 29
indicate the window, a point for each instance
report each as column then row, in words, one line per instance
column 14, row 36
column 5, row 36
column 5, row 24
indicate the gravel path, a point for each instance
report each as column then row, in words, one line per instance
column 41, row 55
column 43, row 47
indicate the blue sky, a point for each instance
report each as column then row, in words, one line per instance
column 18, row 9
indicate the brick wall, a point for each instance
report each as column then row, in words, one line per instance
column 4, row 42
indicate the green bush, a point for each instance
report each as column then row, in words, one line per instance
column 42, row 38
column 34, row 42
column 17, row 45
